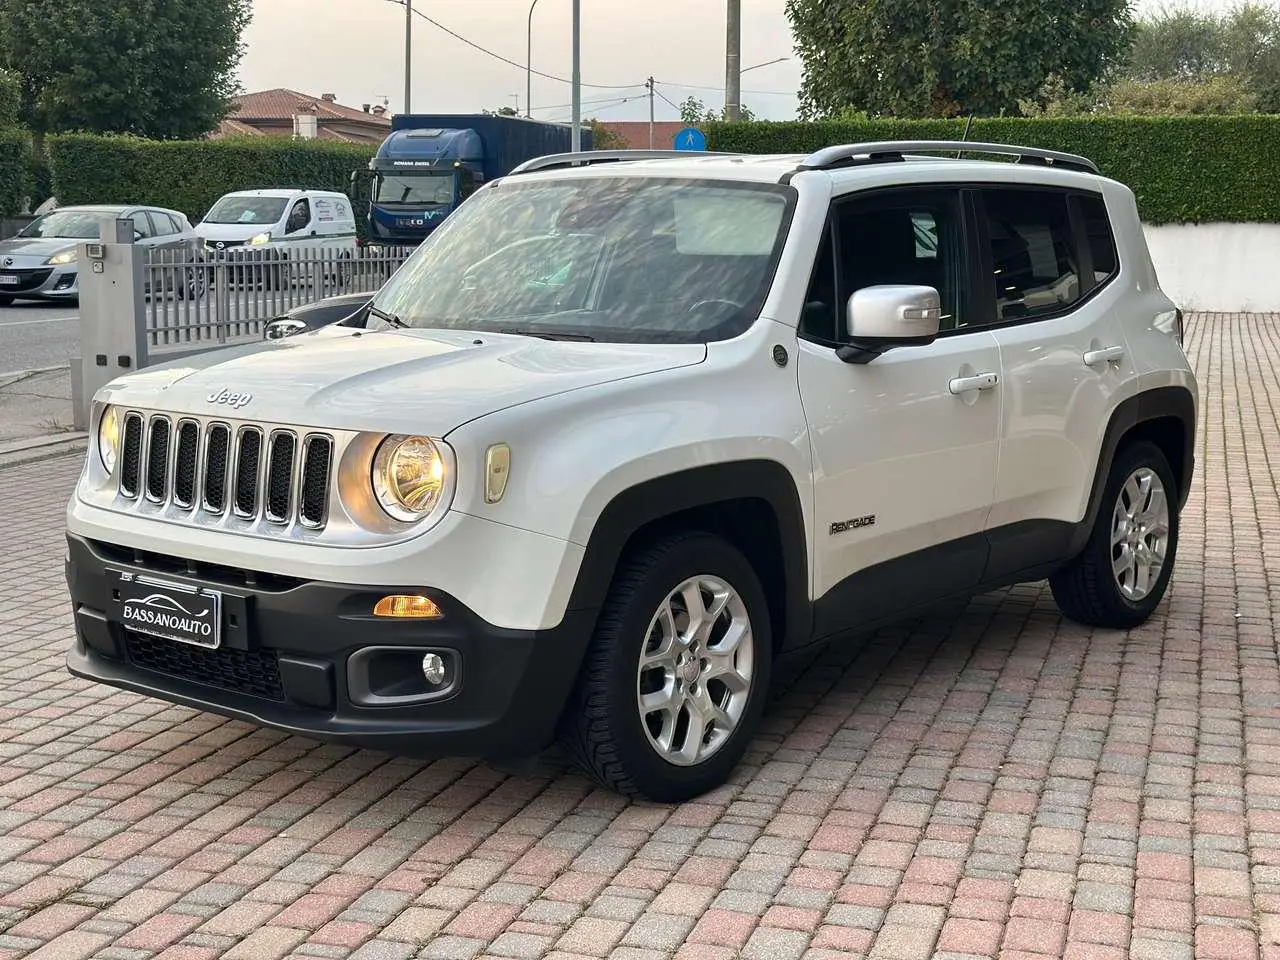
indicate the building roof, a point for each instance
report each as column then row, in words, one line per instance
column 282, row 104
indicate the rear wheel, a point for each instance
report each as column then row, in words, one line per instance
column 6, row 301
column 1122, row 574
column 674, row 684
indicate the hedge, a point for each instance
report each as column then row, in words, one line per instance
column 190, row 175
column 1182, row 169
column 14, row 154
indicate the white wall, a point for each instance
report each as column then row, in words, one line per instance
column 1229, row 267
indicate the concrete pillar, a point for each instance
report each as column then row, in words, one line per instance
column 113, row 339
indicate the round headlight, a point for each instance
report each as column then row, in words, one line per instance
column 109, row 438
column 408, row 477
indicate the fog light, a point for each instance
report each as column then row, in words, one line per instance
column 406, row 607
column 433, row 669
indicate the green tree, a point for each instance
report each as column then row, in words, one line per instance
column 157, row 68
column 944, row 58
column 694, row 111
column 10, row 97
column 1190, row 46
column 604, row 137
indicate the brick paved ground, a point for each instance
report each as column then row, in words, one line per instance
column 988, row 782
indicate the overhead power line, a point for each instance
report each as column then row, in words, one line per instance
column 594, row 86
column 497, row 56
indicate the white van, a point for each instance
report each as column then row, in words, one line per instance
column 281, row 219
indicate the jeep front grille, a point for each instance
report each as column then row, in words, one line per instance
column 255, row 473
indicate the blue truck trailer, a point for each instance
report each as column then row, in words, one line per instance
column 429, row 164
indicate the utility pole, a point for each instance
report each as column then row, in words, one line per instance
column 408, row 50
column 733, row 62
column 577, row 76
column 649, row 84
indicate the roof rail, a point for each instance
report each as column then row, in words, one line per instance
column 587, row 157
column 880, row 151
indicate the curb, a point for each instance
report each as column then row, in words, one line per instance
column 10, row 377
column 30, row 450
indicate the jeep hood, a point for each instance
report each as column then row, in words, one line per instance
column 402, row 381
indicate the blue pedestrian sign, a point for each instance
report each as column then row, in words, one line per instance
column 690, row 138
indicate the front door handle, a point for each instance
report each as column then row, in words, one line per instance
column 1093, row 358
column 983, row 381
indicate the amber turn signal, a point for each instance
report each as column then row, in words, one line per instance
column 408, row 608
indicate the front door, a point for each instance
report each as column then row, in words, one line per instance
column 905, row 447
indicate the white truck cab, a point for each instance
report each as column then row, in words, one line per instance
column 629, row 427
column 280, row 219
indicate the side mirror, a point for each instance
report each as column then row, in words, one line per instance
column 285, row 327
column 882, row 317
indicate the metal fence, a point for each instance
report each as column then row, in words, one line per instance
column 213, row 297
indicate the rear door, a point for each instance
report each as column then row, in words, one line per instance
column 1050, row 264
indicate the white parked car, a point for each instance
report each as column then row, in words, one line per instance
column 280, row 219
column 618, row 436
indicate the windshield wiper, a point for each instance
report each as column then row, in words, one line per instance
column 548, row 335
column 391, row 318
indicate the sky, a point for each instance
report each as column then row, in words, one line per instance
column 355, row 49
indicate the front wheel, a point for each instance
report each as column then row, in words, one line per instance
column 674, row 684
column 1122, row 574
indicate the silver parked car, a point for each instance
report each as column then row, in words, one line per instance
column 40, row 262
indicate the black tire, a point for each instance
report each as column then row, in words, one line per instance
column 1086, row 590
column 6, row 301
column 602, row 729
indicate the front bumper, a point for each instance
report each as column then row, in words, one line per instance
column 309, row 658
column 40, row 283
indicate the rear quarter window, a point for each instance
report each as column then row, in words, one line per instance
column 1099, row 238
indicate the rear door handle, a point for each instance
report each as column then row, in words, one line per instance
column 983, row 381
column 1093, row 358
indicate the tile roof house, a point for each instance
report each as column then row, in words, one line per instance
column 282, row 112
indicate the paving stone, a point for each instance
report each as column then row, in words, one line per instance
column 988, row 779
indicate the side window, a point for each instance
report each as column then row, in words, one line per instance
column 299, row 216
column 163, row 225
column 1098, row 235
column 1033, row 252
column 820, row 319
column 913, row 237
column 142, row 223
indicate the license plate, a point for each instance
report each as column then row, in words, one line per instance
column 8, row 280
column 171, row 611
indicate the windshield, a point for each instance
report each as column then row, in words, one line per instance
column 247, row 210
column 68, row 224
column 606, row 258
column 416, row 188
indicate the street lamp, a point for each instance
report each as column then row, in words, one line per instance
column 768, row 63
column 528, row 69
column 577, row 72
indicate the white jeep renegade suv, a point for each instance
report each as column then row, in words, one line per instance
column 629, row 427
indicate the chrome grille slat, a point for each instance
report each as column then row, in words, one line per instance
column 131, row 456
column 248, row 470
column 159, row 433
column 217, row 463
column 278, row 499
column 313, row 492
column 205, row 471
column 186, row 464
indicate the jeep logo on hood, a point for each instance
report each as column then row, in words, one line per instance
column 233, row 400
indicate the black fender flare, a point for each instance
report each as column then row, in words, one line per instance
column 1161, row 403
column 654, row 500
